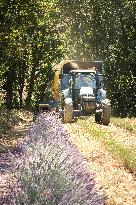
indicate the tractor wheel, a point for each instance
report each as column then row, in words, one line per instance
column 98, row 115
column 105, row 118
column 68, row 112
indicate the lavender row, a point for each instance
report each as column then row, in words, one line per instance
column 52, row 171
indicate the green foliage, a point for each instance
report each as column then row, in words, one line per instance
column 105, row 30
column 30, row 46
column 36, row 34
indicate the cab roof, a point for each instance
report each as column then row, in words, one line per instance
column 83, row 71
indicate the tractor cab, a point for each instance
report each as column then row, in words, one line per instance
column 83, row 89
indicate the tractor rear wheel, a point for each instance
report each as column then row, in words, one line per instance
column 68, row 112
column 105, row 118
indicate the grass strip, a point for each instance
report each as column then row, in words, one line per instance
column 127, row 155
column 125, row 123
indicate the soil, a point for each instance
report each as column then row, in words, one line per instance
column 7, row 181
column 7, row 161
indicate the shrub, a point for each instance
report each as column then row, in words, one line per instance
column 51, row 171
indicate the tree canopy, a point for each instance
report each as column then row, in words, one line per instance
column 37, row 34
column 30, row 44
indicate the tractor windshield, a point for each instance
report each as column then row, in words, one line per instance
column 85, row 80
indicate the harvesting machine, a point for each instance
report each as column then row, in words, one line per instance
column 78, row 90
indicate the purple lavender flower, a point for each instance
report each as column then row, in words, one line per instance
column 52, row 171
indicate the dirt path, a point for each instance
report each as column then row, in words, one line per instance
column 7, row 181
column 119, row 184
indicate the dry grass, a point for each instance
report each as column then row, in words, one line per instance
column 125, row 123
column 13, row 125
column 107, row 158
column 127, row 154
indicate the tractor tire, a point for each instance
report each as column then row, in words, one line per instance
column 105, row 118
column 68, row 112
column 98, row 115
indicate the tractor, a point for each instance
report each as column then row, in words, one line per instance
column 78, row 91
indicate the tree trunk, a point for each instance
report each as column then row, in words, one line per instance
column 30, row 89
column 8, row 87
column 21, row 83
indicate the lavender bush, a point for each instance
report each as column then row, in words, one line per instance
column 52, row 171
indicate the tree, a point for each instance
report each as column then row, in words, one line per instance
column 36, row 34
column 104, row 30
column 30, row 44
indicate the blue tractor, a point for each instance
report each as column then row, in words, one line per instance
column 80, row 91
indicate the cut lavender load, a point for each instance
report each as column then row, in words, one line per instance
column 52, row 171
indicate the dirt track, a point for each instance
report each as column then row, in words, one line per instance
column 7, row 181
column 119, row 184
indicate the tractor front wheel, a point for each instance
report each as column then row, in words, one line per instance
column 98, row 114
column 68, row 112
column 105, row 117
